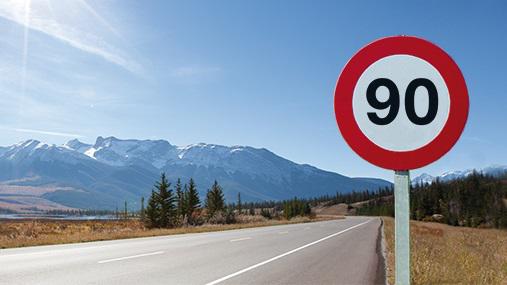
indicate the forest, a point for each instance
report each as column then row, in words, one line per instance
column 475, row 201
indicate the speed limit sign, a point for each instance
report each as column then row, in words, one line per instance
column 401, row 102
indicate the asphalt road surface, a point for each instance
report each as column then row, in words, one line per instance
column 331, row 252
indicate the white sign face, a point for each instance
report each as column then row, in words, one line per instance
column 401, row 103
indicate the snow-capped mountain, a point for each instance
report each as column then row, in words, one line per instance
column 116, row 152
column 160, row 153
column 493, row 170
column 110, row 171
column 424, row 178
column 31, row 150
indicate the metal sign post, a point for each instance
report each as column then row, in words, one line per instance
column 402, row 226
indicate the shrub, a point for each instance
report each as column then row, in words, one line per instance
column 266, row 213
column 247, row 219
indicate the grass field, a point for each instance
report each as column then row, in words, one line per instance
column 18, row 233
column 443, row 254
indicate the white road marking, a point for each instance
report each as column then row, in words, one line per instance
column 51, row 252
column 130, row 257
column 240, row 239
column 283, row 254
column 283, row 233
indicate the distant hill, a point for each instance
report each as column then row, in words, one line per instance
column 104, row 174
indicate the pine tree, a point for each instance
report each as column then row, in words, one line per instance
column 239, row 203
column 287, row 210
column 192, row 200
column 184, row 202
column 215, row 201
column 125, row 212
column 141, row 212
column 180, row 209
column 152, row 211
column 166, row 200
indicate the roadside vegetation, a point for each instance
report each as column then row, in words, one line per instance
column 19, row 233
column 443, row 254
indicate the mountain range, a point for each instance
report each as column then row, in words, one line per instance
column 493, row 170
column 37, row 176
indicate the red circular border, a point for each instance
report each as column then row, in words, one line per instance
column 401, row 160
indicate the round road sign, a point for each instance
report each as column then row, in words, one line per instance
column 401, row 102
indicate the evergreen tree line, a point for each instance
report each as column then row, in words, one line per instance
column 296, row 207
column 168, row 207
column 328, row 200
column 287, row 209
column 381, row 206
column 352, row 197
column 180, row 205
column 80, row 212
column 475, row 201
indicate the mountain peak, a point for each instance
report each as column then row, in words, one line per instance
column 28, row 143
column 76, row 145
column 74, row 141
column 99, row 140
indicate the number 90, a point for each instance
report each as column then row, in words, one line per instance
column 393, row 102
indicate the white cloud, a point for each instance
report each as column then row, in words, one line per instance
column 43, row 17
column 43, row 132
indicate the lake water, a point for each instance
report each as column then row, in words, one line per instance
column 55, row 217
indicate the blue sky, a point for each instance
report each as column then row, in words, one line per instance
column 259, row 73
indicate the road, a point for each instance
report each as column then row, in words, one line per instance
column 330, row 252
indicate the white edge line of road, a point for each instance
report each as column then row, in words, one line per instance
column 130, row 257
column 240, row 239
column 284, row 254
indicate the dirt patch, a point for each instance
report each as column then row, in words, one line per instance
column 333, row 210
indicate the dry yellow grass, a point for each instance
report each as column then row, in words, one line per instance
column 18, row 233
column 442, row 254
